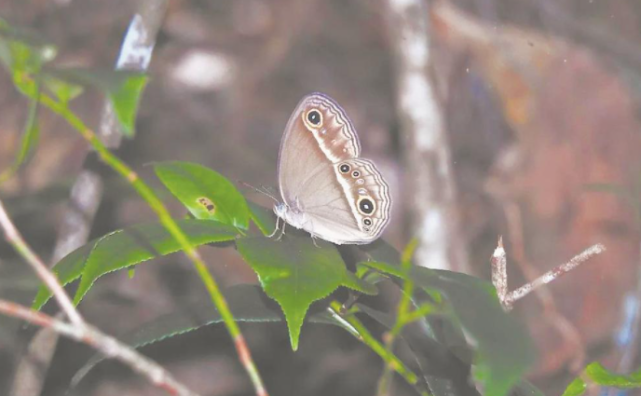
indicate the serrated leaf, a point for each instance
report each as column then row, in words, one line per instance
column 576, row 388
column 505, row 350
column 295, row 273
column 266, row 223
column 353, row 282
column 603, row 376
column 127, row 247
column 206, row 193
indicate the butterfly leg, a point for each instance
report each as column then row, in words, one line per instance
column 314, row 240
column 282, row 231
column 275, row 229
column 314, row 237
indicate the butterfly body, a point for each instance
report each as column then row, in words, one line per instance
column 327, row 190
column 294, row 216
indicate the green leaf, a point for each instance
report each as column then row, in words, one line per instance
column 295, row 273
column 123, row 88
column 505, row 351
column 602, row 376
column 264, row 218
column 265, row 221
column 23, row 51
column 127, row 247
column 206, row 193
column 64, row 91
column 576, row 387
column 29, row 38
column 125, row 99
column 353, row 282
column 30, row 137
column 444, row 373
column 23, row 54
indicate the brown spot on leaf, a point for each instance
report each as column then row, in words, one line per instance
column 207, row 204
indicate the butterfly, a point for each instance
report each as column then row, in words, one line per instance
column 326, row 189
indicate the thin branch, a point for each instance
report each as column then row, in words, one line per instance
column 171, row 226
column 554, row 274
column 148, row 194
column 499, row 274
column 563, row 325
column 499, row 271
column 105, row 344
column 13, row 237
column 402, row 312
column 78, row 329
column 363, row 335
column 87, row 191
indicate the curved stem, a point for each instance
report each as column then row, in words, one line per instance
column 368, row 339
column 172, row 227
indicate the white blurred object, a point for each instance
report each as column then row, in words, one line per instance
column 203, row 71
column 137, row 46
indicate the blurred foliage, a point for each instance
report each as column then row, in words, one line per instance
column 597, row 374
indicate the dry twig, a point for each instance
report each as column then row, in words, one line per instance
column 78, row 329
column 14, row 238
column 107, row 345
column 499, row 273
column 507, row 299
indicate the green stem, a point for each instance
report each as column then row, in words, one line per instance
column 172, row 227
column 402, row 313
column 368, row 339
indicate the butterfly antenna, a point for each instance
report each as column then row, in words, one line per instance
column 263, row 190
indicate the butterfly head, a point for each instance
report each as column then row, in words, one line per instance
column 292, row 215
column 281, row 209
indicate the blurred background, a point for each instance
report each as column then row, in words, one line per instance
column 539, row 101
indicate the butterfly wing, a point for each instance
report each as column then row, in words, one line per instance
column 305, row 147
column 318, row 145
column 356, row 211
